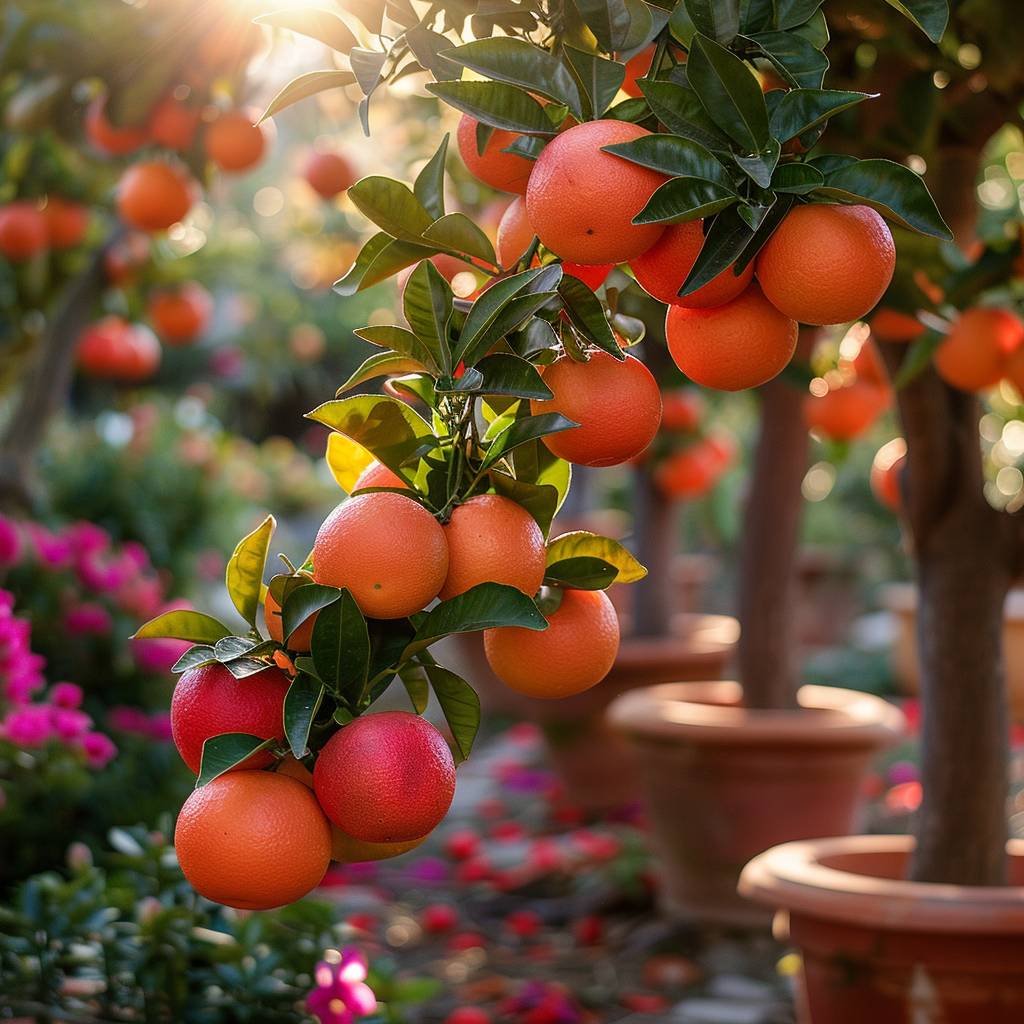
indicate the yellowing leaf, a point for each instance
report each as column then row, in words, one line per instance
column 346, row 460
column 244, row 576
column 581, row 544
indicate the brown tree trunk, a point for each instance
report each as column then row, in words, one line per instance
column 769, row 664
column 656, row 533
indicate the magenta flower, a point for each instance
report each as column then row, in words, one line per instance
column 127, row 719
column 10, row 542
column 87, row 537
column 66, row 695
column 53, row 550
column 341, row 994
column 69, row 724
column 99, row 750
column 28, row 726
column 88, row 619
column 160, row 727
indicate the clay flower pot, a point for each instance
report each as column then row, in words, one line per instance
column 723, row 782
column 901, row 600
column 882, row 950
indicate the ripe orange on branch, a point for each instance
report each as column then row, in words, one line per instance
column 662, row 269
column 377, row 474
column 581, row 201
column 846, row 412
column 739, row 345
column 173, row 124
column 110, row 139
column 385, row 778
column 253, row 840
column 574, row 653
column 388, row 550
column 23, row 231
column 507, row 172
column 153, row 195
column 514, row 233
column 975, row 354
column 180, row 315
column 66, row 222
column 492, row 539
column 827, row 264
column 329, row 174
column 113, row 349
column 616, row 403
column 233, row 142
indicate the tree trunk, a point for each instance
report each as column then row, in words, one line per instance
column 769, row 664
column 656, row 532
column 46, row 384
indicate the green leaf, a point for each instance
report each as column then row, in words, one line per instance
column 304, row 86
column 724, row 240
column 684, row 199
column 506, row 374
column 456, row 231
column 540, row 500
column 580, row 544
column 510, row 317
column 793, row 13
column 391, row 206
column 673, row 155
column 414, row 679
column 930, row 16
column 194, row 657
column 244, row 574
column 796, row 59
column 521, row 63
column 760, row 166
column 341, row 647
column 429, row 48
column 609, row 20
column 429, row 185
column 717, row 19
column 367, row 66
column 800, row 110
column 599, row 79
column 382, row 364
column 769, row 222
column 482, row 607
column 496, row 104
column 729, row 93
column 796, row 178
column 581, row 573
column 324, row 26
column 681, row 25
column 303, row 602
column 384, row 426
column 226, row 751
column 528, row 428
column 459, row 704
column 682, row 113
column 428, row 305
column 587, row 315
column 183, row 624
column 378, row 259
column 301, row 703
column 893, row 190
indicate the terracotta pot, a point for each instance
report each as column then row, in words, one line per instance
column 901, row 600
column 827, row 599
column 882, row 950
column 722, row 782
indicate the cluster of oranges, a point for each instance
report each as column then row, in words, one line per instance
column 852, row 397
column 985, row 345
column 825, row 264
column 53, row 225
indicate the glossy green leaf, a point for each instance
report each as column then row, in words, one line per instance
column 496, row 104
column 682, row 113
column 226, row 751
column 930, row 16
column 392, row 206
column 429, row 48
column 582, row 544
column 769, row 222
column 484, row 606
column 341, row 647
column 367, row 66
column 609, row 20
column 673, row 155
column 681, row 25
column 717, row 19
column 729, row 93
column 414, row 679
column 183, row 624
column 302, row 602
column 380, row 258
column 540, row 500
column 796, row 178
column 400, row 341
column 456, row 231
column 793, row 13
column 194, row 657
column 459, row 704
column 598, row 78
column 536, row 336
column 429, row 185
column 301, row 703
column 428, row 303
column 304, row 86
column 324, row 26
column 528, row 428
column 799, row 110
column 724, row 240
column 383, row 364
column 796, row 59
column 643, row 26
column 684, row 199
column 894, row 190
column 581, row 573
column 518, row 62
column 760, row 166
column 244, row 573
column 587, row 314
column 507, row 374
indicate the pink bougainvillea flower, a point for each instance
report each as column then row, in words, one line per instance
column 87, row 538
column 99, row 749
column 341, row 994
column 88, row 619
column 10, row 542
column 66, row 695
column 53, row 550
column 69, row 724
column 28, row 726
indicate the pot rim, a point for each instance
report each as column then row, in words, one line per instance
column 709, row 712
column 793, row 877
column 698, row 634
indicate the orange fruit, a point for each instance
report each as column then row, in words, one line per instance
column 847, row 412
column 389, row 551
column 886, row 469
column 688, row 473
column 153, row 195
column 682, row 409
column 329, row 174
column 514, row 233
column 616, row 403
column 114, row 349
column 506, row 172
column 662, row 269
column 637, row 67
column 827, row 264
column 1015, row 370
column 233, row 142
column 574, row 653
column 492, row 539
column 868, row 365
column 739, row 345
column 23, row 231
column 892, row 325
column 209, row 700
column 592, row 275
column 385, row 778
column 106, row 137
column 66, row 222
column 253, row 840
column 173, row 124
column 182, row 314
column 976, row 352
column 377, row 474
column 581, row 201
column 301, row 639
